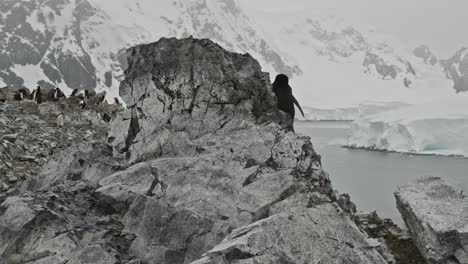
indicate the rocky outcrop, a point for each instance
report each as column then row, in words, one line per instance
column 425, row 53
column 322, row 234
column 210, row 176
column 377, row 64
column 210, row 150
column 176, row 94
column 456, row 68
column 436, row 215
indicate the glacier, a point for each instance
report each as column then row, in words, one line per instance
column 350, row 113
column 439, row 128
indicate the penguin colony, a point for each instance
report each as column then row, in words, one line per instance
column 78, row 97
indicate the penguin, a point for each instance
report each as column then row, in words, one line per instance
column 24, row 93
column 100, row 99
column 86, row 95
column 37, row 95
column 18, row 96
column 284, row 97
column 116, row 101
column 74, row 92
column 51, row 95
column 58, row 94
column 82, row 104
column 60, row 120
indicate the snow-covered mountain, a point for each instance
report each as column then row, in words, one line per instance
column 456, row 69
column 332, row 62
column 81, row 43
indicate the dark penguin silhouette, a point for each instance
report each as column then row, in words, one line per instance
column 37, row 95
column 74, row 92
column 284, row 97
column 58, row 93
column 24, row 93
column 100, row 99
column 116, row 101
column 18, row 96
column 55, row 94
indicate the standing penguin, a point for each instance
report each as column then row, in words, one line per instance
column 55, row 94
column 18, row 96
column 37, row 95
column 74, row 92
column 284, row 97
column 24, row 93
column 60, row 120
column 82, row 104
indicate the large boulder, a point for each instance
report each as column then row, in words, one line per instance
column 210, row 154
column 437, row 216
column 323, row 234
column 180, row 90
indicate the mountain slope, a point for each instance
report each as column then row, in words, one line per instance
column 80, row 43
column 332, row 62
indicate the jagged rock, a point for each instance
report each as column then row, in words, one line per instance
column 210, row 149
column 26, row 158
column 436, row 215
column 425, row 53
column 456, row 68
column 11, row 137
column 183, row 95
column 323, row 234
column 201, row 151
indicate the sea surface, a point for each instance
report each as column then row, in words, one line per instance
column 371, row 177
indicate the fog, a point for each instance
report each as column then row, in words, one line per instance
column 441, row 24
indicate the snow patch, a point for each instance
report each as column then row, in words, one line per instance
column 433, row 128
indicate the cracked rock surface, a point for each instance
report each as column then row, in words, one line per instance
column 198, row 169
column 437, row 216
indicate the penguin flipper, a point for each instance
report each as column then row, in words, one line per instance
column 298, row 106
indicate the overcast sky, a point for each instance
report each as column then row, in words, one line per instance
column 441, row 24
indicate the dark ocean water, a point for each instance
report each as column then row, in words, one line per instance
column 371, row 177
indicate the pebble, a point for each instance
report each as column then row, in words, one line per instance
column 12, row 179
column 26, row 158
column 11, row 137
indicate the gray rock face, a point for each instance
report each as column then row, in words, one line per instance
column 210, row 176
column 456, row 69
column 323, row 234
column 203, row 130
column 181, row 95
column 426, row 54
column 437, row 216
column 385, row 69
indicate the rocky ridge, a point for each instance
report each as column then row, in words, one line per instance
column 198, row 169
column 456, row 68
